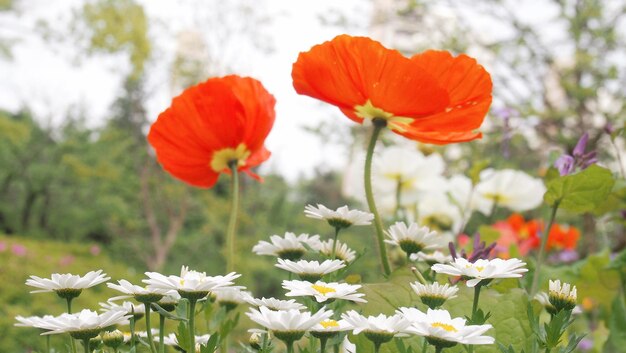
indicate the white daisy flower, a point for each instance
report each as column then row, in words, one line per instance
column 310, row 270
column 274, row 304
column 85, row 324
column 190, row 284
column 288, row 325
column 413, row 239
column 230, row 297
column 562, row 296
column 144, row 334
column 141, row 294
column 435, row 257
column 347, row 346
column 378, row 329
column 342, row 251
column 329, row 328
column 342, row 218
column 510, row 188
column 138, row 311
column 482, row 269
column 435, row 294
column 67, row 285
column 32, row 321
column 441, row 330
column 323, row 291
column 290, row 247
column 331, row 325
column 172, row 340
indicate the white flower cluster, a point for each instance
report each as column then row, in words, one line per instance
column 414, row 184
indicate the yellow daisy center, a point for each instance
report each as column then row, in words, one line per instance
column 446, row 327
column 369, row 111
column 478, row 268
column 223, row 157
column 329, row 323
column 323, row 290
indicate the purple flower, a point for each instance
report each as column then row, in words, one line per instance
column 579, row 150
column 479, row 251
column 565, row 164
column 585, row 344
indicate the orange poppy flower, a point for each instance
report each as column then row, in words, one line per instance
column 432, row 97
column 211, row 125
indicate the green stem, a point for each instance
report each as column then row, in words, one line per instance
column 619, row 157
column 48, row 343
column 161, row 333
column 323, row 344
column 438, row 349
column 475, row 304
column 474, row 310
column 418, row 275
column 542, row 249
column 379, row 124
column 290, row 347
column 86, row 344
column 149, row 329
column 192, row 331
column 377, row 347
column 69, row 311
column 224, row 347
column 334, row 253
column 398, row 211
column 232, row 221
column 133, row 339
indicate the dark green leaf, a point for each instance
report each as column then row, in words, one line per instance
column 580, row 192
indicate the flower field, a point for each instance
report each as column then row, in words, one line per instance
column 454, row 225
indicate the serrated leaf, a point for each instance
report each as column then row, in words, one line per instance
column 580, row 192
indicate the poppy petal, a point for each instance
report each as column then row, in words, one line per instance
column 468, row 85
column 348, row 71
column 441, row 138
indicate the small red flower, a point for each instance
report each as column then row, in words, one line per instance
column 211, row 125
column 432, row 97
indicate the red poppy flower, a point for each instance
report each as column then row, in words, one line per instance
column 432, row 97
column 212, row 124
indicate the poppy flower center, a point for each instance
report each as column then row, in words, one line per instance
column 369, row 111
column 222, row 158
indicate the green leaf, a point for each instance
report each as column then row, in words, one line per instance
column 580, row 192
column 616, row 342
column 168, row 315
column 508, row 313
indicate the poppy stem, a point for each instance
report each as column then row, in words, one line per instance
column 232, row 221
column 379, row 124
column 542, row 249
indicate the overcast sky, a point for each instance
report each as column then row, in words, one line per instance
column 55, row 76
